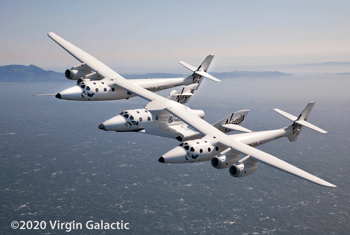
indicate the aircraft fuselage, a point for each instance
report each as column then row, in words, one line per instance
column 98, row 90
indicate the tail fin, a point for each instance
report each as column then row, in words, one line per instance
column 299, row 122
column 201, row 71
column 232, row 122
column 206, row 63
column 183, row 95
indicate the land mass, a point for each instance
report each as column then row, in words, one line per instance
column 32, row 73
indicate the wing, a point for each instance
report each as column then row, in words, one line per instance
column 90, row 61
column 275, row 162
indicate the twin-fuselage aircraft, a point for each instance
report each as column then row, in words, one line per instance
column 169, row 117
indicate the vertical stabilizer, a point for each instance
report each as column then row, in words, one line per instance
column 205, row 64
column 299, row 122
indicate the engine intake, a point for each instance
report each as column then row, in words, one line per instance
column 223, row 161
column 242, row 170
column 245, row 167
column 77, row 72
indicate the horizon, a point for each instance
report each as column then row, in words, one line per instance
column 155, row 35
column 324, row 67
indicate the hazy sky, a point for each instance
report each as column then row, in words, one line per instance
column 132, row 35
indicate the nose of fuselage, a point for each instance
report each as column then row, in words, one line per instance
column 72, row 93
column 116, row 123
column 176, row 155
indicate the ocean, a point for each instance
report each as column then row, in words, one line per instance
column 58, row 167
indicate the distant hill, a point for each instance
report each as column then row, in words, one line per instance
column 330, row 63
column 251, row 74
column 32, row 73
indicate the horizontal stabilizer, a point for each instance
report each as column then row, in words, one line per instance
column 207, row 75
column 235, row 127
column 201, row 70
column 309, row 125
column 190, row 67
column 183, row 94
column 287, row 115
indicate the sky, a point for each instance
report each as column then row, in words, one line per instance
column 138, row 36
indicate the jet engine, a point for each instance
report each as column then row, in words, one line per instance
column 224, row 161
column 77, row 72
column 244, row 167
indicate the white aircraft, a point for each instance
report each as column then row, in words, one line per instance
column 91, row 86
column 214, row 141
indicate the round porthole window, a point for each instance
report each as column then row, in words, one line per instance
column 170, row 120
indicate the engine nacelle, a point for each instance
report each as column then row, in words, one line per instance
column 242, row 169
column 223, row 161
column 77, row 72
column 198, row 112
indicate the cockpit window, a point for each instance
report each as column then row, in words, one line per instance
column 187, row 147
column 88, row 88
column 82, row 86
column 126, row 115
column 131, row 118
column 121, row 113
column 192, row 149
column 181, row 144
